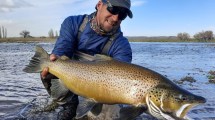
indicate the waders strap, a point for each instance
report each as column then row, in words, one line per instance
column 108, row 45
column 82, row 26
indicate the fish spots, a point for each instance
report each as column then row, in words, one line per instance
column 140, row 94
column 156, row 95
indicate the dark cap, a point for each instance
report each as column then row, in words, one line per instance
column 121, row 3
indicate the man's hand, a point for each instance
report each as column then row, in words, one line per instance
column 45, row 71
column 46, row 76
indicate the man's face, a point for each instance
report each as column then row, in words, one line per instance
column 106, row 20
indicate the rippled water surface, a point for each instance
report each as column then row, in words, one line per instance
column 174, row 60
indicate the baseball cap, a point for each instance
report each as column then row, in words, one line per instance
column 121, row 3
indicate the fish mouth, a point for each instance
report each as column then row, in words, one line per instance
column 201, row 100
column 183, row 110
column 181, row 113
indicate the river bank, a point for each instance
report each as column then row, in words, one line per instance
column 131, row 39
column 28, row 40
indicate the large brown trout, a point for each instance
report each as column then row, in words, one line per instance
column 108, row 81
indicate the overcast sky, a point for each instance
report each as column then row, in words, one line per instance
column 151, row 17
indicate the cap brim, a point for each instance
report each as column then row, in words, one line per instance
column 130, row 15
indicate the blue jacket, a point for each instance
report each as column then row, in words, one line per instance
column 90, row 42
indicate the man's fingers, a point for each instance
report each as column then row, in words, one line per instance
column 53, row 57
column 45, row 72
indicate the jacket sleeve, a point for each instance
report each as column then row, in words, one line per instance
column 121, row 50
column 65, row 43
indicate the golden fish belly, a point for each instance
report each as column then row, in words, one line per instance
column 104, row 82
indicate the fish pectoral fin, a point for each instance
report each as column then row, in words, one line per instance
column 130, row 113
column 96, row 110
column 84, row 106
column 58, row 90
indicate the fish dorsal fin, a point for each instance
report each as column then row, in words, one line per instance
column 100, row 57
column 84, row 106
column 131, row 112
column 86, row 57
column 58, row 90
column 83, row 56
column 64, row 57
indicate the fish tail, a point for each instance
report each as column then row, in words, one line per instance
column 37, row 61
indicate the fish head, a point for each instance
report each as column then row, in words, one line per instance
column 171, row 101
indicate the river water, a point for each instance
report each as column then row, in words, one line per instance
column 19, row 90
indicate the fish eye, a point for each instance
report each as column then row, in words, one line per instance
column 181, row 97
column 184, row 98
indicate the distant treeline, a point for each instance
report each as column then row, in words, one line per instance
column 52, row 35
column 26, row 34
column 3, row 32
column 204, row 36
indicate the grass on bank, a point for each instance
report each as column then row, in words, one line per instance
column 131, row 39
column 163, row 39
column 27, row 40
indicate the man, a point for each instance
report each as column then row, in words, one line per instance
column 98, row 33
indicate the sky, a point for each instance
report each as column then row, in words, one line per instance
column 150, row 17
